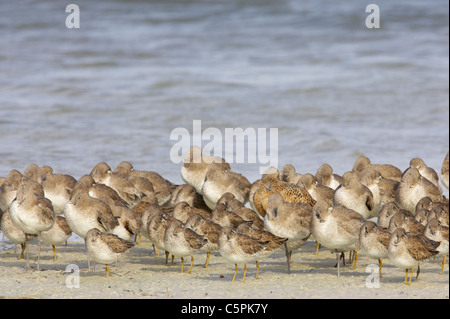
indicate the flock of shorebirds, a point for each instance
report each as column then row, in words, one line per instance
column 376, row 209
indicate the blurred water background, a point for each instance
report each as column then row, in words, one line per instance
column 115, row 88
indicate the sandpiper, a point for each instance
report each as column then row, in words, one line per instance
column 181, row 241
column 270, row 184
column 315, row 189
column 102, row 174
column 288, row 220
column 217, row 182
column 105, row 248
column 386, row 170
column 58, row 234
column 374, row 242
column 414, row 187
column 434, row 230
column 336, row 228
column 354, row 195
column 406, row 251
column 238, row 248
column 83, row 212
column 196, row 166
column 57, row 187
column 31, row 212
column 289, row 175
column 209, row 230
column 427, row 172
column 325, row 176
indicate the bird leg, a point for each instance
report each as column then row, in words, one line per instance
column 207, row 260
column 257, row 269
column 23, row 250
column 182, row 264
column 107, row 271
column 287, row 258
column 234, row 277
column 355, row 258
column 245, row 272
column 406, row 276
column 317, row 248
column 380, row 265
column 192, row 263
column 54, row 253
column 443, row 265
column 338, row 262
column 418, row 272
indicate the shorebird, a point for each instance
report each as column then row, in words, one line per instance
column 187, row 193
column 13, row 233
column 336, row 228
column 32, row 172
column 289, row 175
column 222, row 216
column 156, row 228
column 57, row 187
column 387, row 211
column 58, row 234
column 145, row 188
column 386, row 170
column 388, row 187
column 444, row 172
column 162, row 187
column 414, row 187
column 100, row 191
column 219, row 181
column 196, row 166
column 406, row 251
column 406, row 220
column 230, row 202
column 31, row 211
column 83, row 212
column 129, row 222
column 102, row 174
column 440, row 212
column 270, row 184
column 374, row 242
column 8, row 189
column 105, row 248
column 288, row 220
column 181, row 241
column 325, row 176
column 209, row 230
column 434, row 230
column 183, row 211
column 427, row 172
column 371, row 178
column 354, row 195
column 239, row 248
column 263, row 236
column 315, row 189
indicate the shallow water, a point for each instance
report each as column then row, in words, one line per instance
column 115, row 88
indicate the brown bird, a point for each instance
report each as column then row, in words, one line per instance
column 386, row 170
column 413, row 187
column 102, row 174
column 325, row 176
column 209, row 230
column 406, row 251
column 105, row 248
column 270, row 184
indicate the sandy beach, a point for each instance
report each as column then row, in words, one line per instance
column 140, row 274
